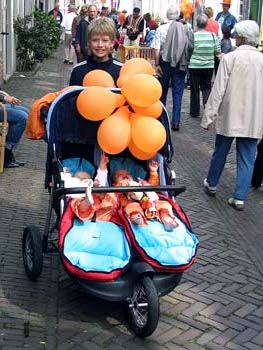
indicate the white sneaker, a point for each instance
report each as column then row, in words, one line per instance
column 211, row 191
column 236, row 204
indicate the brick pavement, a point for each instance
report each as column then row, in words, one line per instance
column 218, row 305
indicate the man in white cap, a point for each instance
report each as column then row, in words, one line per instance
column 224, row 18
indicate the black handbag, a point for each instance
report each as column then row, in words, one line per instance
column 132, row 36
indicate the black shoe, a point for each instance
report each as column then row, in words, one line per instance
column 11, row 165
column 175, row 127
column 194, row 115
column 65, row 61
column 10, row 161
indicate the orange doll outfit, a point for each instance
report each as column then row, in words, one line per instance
column 147, row 205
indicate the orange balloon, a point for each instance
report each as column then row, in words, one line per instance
column 122, row 112
column 120, row 100
column 98, row 77
column 148, row 134
column 132, row 67
column 96, row 103
column 139, row 154
column 135, row 116
column 114, row 134
column 154, row 111
column 142, row 90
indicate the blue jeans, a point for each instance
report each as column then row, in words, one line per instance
column 245, row 154
column 16, row 117
column 177, row 78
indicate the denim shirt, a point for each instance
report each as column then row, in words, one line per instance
column 229, row 20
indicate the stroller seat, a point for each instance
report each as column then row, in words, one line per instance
column 95, row 250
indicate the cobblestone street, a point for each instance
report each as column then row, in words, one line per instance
column 217, row 306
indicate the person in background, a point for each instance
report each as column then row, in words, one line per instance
column 172, row 46
column 201, row 65
column 82, row 30
column 114, row 16
column 104, row 11
column 257, row 177
column 58, row 17
column 150, row 22
column 225, row 18
column 122, row 16
column 67, row 25
column 226, row 45
column 236, row 104
column 16, row 116
column 101, row 38
column 150, row 35
column 212, row 25
column 76, row 20
column 134, row 24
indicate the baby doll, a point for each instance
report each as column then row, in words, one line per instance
column 100, row 204
column 140, row 206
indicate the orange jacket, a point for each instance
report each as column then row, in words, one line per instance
column 35, row 127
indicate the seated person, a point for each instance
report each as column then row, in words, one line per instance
column 17, row 117
column 140, row 206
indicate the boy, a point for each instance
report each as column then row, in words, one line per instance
column 101, row 37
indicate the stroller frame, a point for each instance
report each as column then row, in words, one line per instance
column 140, row 285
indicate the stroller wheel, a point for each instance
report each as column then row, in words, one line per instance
column 32, row 252
column 144, row 307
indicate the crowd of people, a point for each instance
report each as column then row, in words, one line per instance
column 179, row 52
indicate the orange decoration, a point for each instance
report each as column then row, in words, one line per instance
column 114, row 134
column 120, row 100
column 122, row 112
column 142, row 90
column 135, row 116
column 96, row 103
column 154, row 111
column 139, row 154
column 98, row 77
column 148, row 134
column 132, row 67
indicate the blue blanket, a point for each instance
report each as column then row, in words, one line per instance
column 96, row 246
column 175, row 248
column 102, row 246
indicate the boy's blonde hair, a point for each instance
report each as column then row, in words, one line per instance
column 102, row 26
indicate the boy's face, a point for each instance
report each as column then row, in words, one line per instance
column 100, row 47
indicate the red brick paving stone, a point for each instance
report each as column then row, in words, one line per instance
column 208, row 337
column 254, row 346
column 245, row 336
column 245, row 310
column 194, row 309
column 234, row 346
column 187, row 336
column 226, row 336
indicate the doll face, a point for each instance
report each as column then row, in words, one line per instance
column 83, row 176
column 121, row 175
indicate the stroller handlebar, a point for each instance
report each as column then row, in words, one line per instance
column 175, row 190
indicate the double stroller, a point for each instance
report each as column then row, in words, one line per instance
column 115, row 260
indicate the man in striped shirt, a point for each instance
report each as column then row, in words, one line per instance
column 201, row 66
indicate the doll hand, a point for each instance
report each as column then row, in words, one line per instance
column 153, row 165
column 104, row 160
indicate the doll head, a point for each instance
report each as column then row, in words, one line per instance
column 120, row 176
